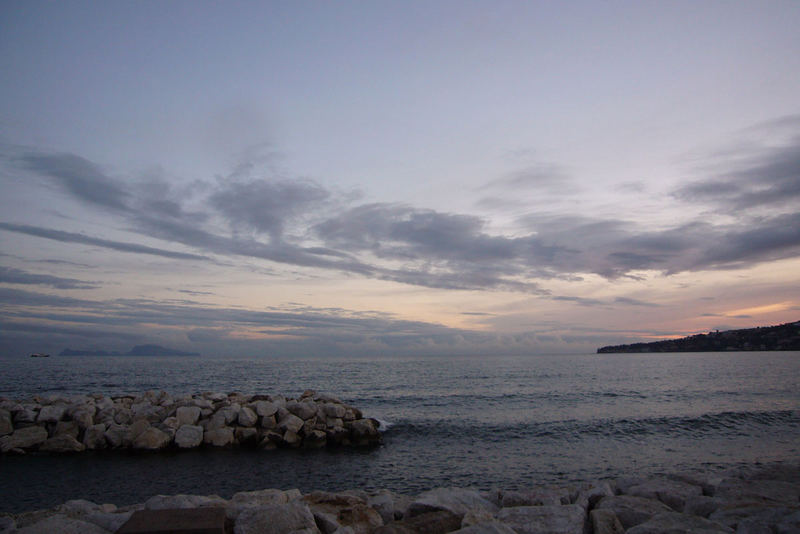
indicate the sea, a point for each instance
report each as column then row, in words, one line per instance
column 484, row 422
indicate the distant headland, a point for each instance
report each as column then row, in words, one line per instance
column 780, row 337
column 138, row 350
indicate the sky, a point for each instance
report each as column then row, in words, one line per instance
column 395, row 178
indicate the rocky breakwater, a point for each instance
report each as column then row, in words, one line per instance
column 752, row 502
column 155, row 420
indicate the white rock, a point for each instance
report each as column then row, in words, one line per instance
column 82, row 507
column 61, row 524
column 454, row 500
column 265, row 408
column 51, row 413
column 109, row 521
column 118, row 436
column 189, row 436
column 151, row 439
column 218, row 437
column 334, row 411
column 632, row 510
column 6, row 425
column 304, row 410
column 228, row 414
column 605, row 522
column 676, row 522
column 673, row 493
column 768, row 515
column 487, row 527
column 23, row 438
column 766, row 491
column 165, row 502
column 94, row 437
column 551, row 519
column 83, row 415
column 247, row 417
column 62, row 443
column 290, row 423
column 292, row 518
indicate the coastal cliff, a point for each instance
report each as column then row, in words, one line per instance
column 780, row 337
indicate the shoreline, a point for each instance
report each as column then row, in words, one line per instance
column 747, row 499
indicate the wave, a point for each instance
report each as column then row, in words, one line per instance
column 712, row 424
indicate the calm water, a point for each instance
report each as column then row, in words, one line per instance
column 506, row 422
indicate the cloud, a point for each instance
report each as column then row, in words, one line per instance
column 9, row 275
column 71, row 237
column 300, row 223
column 266, row 206
column 764, row 175
column 546, row 177
column 26, row 311
column 80, row 177
column 635, row 302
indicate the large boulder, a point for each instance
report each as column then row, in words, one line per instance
column 247, row 417
column 364, row 432
column 246, row 436
column 337, row 510
column 61, row 524
column 290, row 423
column 219, row 437
column 605, row 522
column 25, row 416
column 632, row 510
column 167, row 502
column 52, row 413
column 187, row 415
column 333, row 411
column 189, row 436
column 391, row 506
column 758, row 491
column 62, row 443
column 265, row 408
column 454, row 500
column 23, row 438
column 230, row 414
column 304, row 410
column 110, row 521
column 669, row 522
column 439, row 522
column 551, row 519
column 673, row 493
column 765, row 516
column 118, row 436
column 83, row 415
column 65, row 427
column 151, row 439
column 6, row 425
column 291, row 518
column 487, row 527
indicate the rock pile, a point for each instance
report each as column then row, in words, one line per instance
column 744, row 503
column 155, row 420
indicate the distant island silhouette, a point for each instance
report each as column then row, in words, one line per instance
column 780, row 337
column 138, row 350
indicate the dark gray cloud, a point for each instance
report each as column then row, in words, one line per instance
column 80, row 177
column 249, row 218
column 10, row 275
column 266, row 206
column 71, row 237
column 761, row 177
